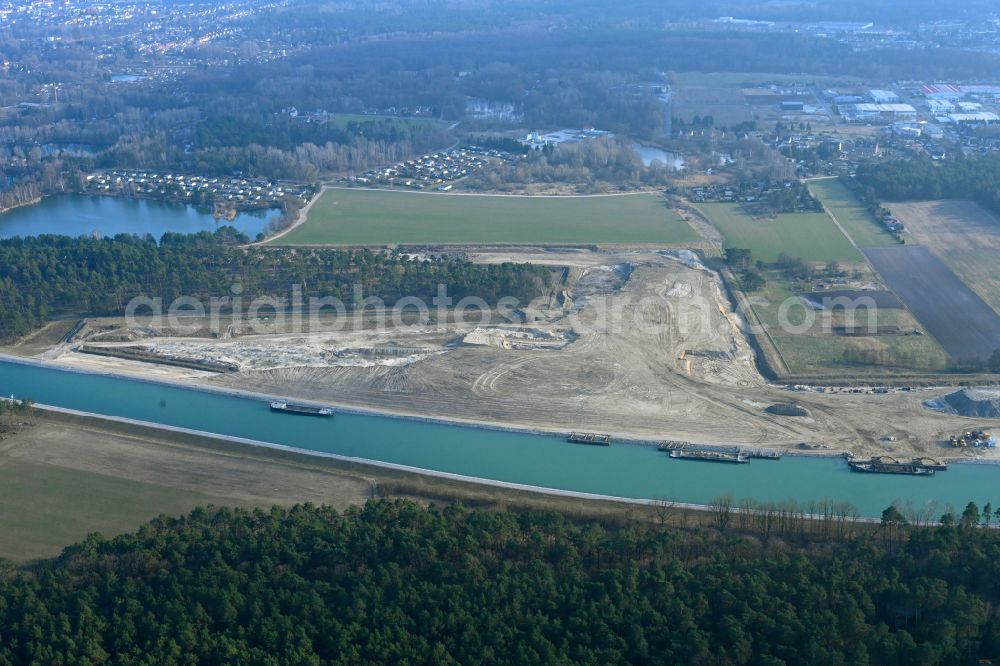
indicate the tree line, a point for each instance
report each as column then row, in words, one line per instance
column 592, row 166
column 975, row 178
column 395, row 582
column 45, row 276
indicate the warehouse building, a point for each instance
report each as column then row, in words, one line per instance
column 883, row 96
column 968, row 119
column 879, row 112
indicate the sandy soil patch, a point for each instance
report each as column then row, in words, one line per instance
column 656, row 353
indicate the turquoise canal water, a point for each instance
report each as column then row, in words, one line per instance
column 622, row 470
column 80, row 215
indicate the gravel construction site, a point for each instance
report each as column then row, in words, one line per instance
column 639, row 344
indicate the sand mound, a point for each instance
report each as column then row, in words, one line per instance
column 981, row 402
column 786, row 409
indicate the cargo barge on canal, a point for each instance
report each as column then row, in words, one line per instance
column 710, row 456
column 887, row 465
column 302, row 410
column 589, row 438
column 737, row 454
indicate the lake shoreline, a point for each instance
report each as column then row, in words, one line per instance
column 76, row 214
column 201, row 208
column 26, row 204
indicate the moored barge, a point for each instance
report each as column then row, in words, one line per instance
column 883, row 466
column 709, row 456
column 589, row 438
column 302, row 410
column 763, row 454
column 930, row 463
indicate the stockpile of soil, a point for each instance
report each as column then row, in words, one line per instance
column 786, row 409
column 980, row 402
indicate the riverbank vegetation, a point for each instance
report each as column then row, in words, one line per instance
column 395, row 582
column 45, row 276
column 14, row 415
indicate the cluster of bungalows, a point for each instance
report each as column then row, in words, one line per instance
column 713, row 193
column 748, row 191
column 234, row 192
column 439, row 170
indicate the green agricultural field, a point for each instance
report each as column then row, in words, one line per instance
column 47, row 507
column 816, row 350
column 806, row 354
column 382, row 217
column 810, row 236
column 859, row 223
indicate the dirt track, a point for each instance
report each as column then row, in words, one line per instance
column 663, row 358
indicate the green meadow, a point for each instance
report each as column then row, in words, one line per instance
column 385, row 217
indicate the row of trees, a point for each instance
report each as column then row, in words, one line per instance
column 741, row 260
column 50, row 275
column 749, row 272
column 394, row 582
column 794, row 196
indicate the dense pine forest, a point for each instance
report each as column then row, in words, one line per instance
column 394, row 582
column 975, row 178
column 46, row 276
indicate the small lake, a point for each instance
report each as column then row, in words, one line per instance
column 650, row 155
column 82, row 215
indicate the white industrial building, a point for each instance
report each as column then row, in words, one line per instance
column 887, row 112
column 978, row 118
column 883, row 96
column 940, row 106
column 910, row 130
column 537, row 141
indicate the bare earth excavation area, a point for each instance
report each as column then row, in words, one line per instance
column 641, row 344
